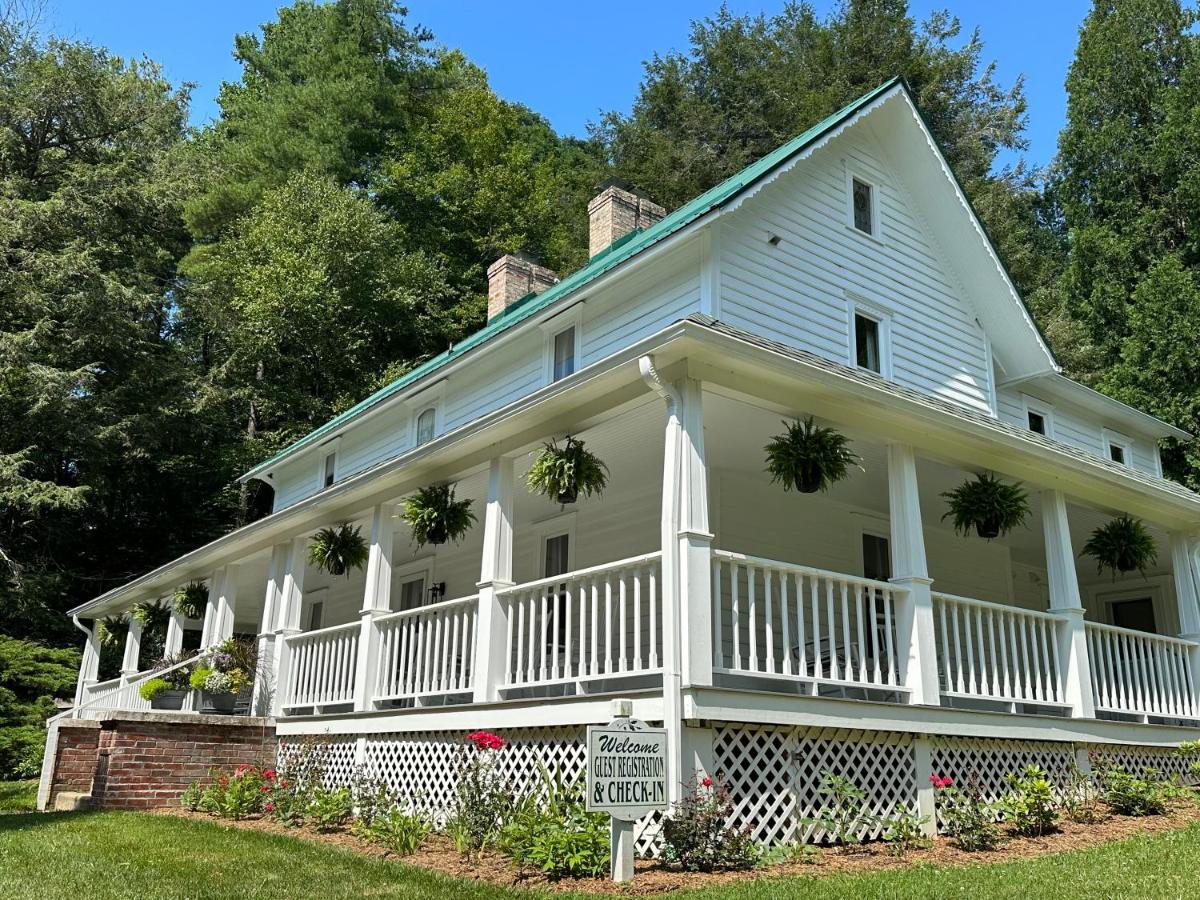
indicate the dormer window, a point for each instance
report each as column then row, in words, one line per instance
column 863, row 201
column 1118, row 447
column 330, row 471
column 564, row 354
column 1039, row 416
column 1037, row 422
column 426, row 424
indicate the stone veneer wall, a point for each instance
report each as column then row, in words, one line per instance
column 133, row 760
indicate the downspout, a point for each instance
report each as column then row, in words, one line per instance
column 88, row 649
column 672, row 601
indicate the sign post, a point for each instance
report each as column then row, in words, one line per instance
column 626, row 778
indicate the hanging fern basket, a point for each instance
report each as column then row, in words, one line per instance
column 191, row 599
column 565, row 473
column 808, row 457
column 436, row 517
column 339, row 549
column 1122, row 545
column 988, row 505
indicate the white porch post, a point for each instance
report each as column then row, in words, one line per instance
column 89, row 664
column 672, row 597
column 1065, row 601
column 695, row 543
column 264, row 682
column 173, row 643
column 377, row 600
column 914, row 609
column 288, row 621
column 133, row 648
column 208, row 627
column 226, row 605
column 495, row 573
column 1187, row 599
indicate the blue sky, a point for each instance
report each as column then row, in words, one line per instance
column 570, row 62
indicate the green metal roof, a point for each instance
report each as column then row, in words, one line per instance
column 628, row 246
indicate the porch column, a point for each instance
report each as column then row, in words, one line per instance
column 291, row 596
column 1187, row 598
column 917, row 649
column 695, row 543
column 264, row 681
column 1065, row 601
column 495, row 573
column 133, row 648
column 89, row 663
column 173, row 643
column 208, row 627
column 377, row 601
column 226, row 605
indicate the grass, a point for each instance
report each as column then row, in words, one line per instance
column 18, row 796
column 126, row 855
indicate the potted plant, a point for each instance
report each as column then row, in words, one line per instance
column 167, row 691
column 988, row 505
column 111, row 631
column 435, row 516
column 152, row 615
column 1121, row 545
column 191, row 599
column 225, row 676
column 809, row 457
column 566, row 472
column 339, row 549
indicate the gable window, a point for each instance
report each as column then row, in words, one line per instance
column 863, row 204
column 877, row 557
column 1116, row 453
column 426, row 422
column 1118, row 447
column 866, row 343
column 1037, row 422
column 330, row 468
column 564, row 354
column 1039, row 417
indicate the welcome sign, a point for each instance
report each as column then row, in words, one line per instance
column 626, row 770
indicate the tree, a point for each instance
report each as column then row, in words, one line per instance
column 31, row 677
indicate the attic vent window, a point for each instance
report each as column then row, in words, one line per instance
column 863, row 196
column 1116, row 453
column 1037, row 422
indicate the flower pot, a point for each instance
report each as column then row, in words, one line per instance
column 570, row 495
column 168, row 700
column 808, row 483
column 1126, row 562
column 438, row 533
column 217, row 704
column 988, row 528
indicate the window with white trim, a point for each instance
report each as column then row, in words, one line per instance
column 563, row 349
column 413, row 584
column 877, row 557
column 1118, row 447
column 316, row 614
column 862, row 205
column 330, row 472
column 426, row 425
column 870, row 336
column 1039, row 416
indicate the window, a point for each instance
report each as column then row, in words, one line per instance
column 1037, row 422
column 877, row 557
column 556, row 563
column 1118, row 447
column 1039, row 416
column 330, row 468
column 866, row 343
column 426, row 423
column 564, row 354
column 1116, row 453
column 412, row 592
column 1136, row 613
column 316, row 613
column 863, row 203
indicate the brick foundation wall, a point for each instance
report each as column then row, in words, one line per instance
column 144, row 760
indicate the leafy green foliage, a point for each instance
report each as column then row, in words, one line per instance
column 844, row 815
column 697, row 836
column 31, row 677
column 1127, row 794
column 330, row 809
column 482, row 800
column 435, row 516
column 1029, row 806
column 905, row 831
column 987, row 504
column 809, row 457
column 969, row 819
column 152, row 687
column 1121, row 545
column 153, row 616
column 191, row 599
column 401, row 832
column 339, row 549
column 567, row 472
column 550, row 830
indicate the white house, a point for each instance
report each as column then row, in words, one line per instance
column 777, row 635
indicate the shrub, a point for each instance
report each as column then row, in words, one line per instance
column 1028, row 807
column 191, row 796
column 482, row 799
column 844, row 815
column 1127, row 794
column 329, row 810
column 152, row 687
column 551, row 831
column 697, row 835
column 1190, row 753
column 301, row 770
column 400, row 832
column 1079, row 797
column 970, row 820
column 905, row 831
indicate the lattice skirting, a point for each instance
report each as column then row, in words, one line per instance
column 1166, row 763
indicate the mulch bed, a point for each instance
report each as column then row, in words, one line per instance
column 654, row 877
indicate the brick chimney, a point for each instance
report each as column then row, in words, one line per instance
column 511, row 277
column 615, row 212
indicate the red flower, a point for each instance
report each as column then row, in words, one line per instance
column 939, row 782
column 486, row 740
column 269, row 807
column 241, row 771
column 283, row 783
column 265, row 788
column 707, row 782
column 269, row 774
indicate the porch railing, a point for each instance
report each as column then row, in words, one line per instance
column 116, row 693
column 321, row 669
column 1140, row 674
column 996, row 652
column 788, row 621
column 427, row 651
column 597, row 623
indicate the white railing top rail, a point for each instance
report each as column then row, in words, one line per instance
column 796, row 569
column 1140, row 635
column 581, row 573
column 999, row 607
column 133, row 680
column 317, row 633
column 112, row 682
column 428, row 608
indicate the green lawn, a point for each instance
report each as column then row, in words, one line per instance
column 116, row 855
column 18, row 796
